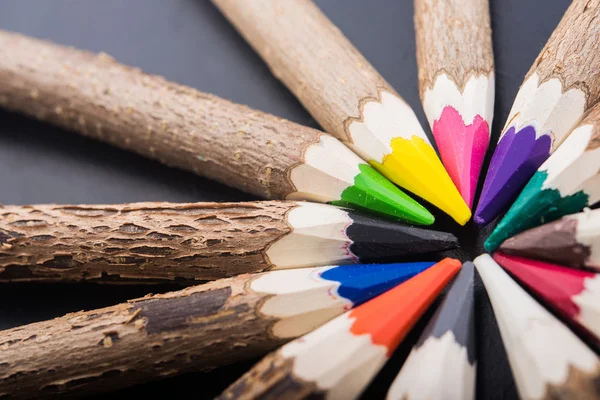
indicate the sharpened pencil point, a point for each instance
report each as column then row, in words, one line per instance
column 374, row 193
column 518, row 155
column 414, row 165
column 362, row 282
column 462, row 148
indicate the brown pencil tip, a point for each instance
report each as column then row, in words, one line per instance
column 555, row 242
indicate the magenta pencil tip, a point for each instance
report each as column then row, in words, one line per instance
column 462, row 148
column 518, row 155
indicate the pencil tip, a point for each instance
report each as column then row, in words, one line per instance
column 376, row 239
column 462, row 149
column 414, row 165
column 548, row 280
column 372, row 192
column 535, row 205
column 361, row 282
column 389, row 317
column 516, row 158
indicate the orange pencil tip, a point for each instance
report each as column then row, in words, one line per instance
column 390, row 316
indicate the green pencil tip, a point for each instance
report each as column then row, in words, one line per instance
column 372, row 192
column 534, row 206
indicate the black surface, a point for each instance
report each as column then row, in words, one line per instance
column 189, row 42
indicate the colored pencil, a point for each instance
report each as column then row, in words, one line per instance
column 573, row 240
column 575, row 294
column 337, row 360
column 548, row 361
column 562, row 84
column 345, row 94
column 197, row 328
column 255, row 152
column 147, row 242
column 442, row 363
column 566, row 183
column 456, row 83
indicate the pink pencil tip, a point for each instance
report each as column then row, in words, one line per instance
column 462, row 149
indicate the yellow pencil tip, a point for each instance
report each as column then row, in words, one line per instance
column 415, row 166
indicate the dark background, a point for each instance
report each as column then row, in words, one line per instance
column 189, row 42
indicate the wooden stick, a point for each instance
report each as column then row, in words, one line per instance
column 573, row 240
column 345, row 94
column 548, row 361
column 562, row 84
column 565, row 184
column 339, row 359
column 575, row 294
column 198, row 328
column 456, row 83
column 182, row 127
column 445, row 352
column 203, row 241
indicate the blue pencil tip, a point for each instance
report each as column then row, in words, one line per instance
column 362, row 282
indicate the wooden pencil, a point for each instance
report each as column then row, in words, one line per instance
column 197, row 328
column 337, row 360
column 256, row 152
column 575, row 294
column 573, row 240
column 565, row 184
column 442, row 363
column 456, row 83
column 548, row 361
column 148, row 242
column 563, row 82
column 345, row 94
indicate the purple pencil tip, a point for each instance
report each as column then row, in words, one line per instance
column 518, row 155
column 479, row 220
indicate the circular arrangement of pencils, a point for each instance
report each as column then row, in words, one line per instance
column 327, row 275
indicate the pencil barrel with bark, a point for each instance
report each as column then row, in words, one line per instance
column 345, row 94
column 561, row 86
column 148, row 242
column 270, row 157
column 456, row 83
column 195, row 329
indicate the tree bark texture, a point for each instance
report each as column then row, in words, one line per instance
column 311, row 56
column 572, row 54
column 198, row 328
column 272, row 378
column 453, row 37
column 94, row 95
column 139, row 242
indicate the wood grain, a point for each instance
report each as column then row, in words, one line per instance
column 592, row 118
column 572, row 53
column 139, row 242
column 194, row 329
column 311, row 56
column 94, row 95
column 454, row 37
